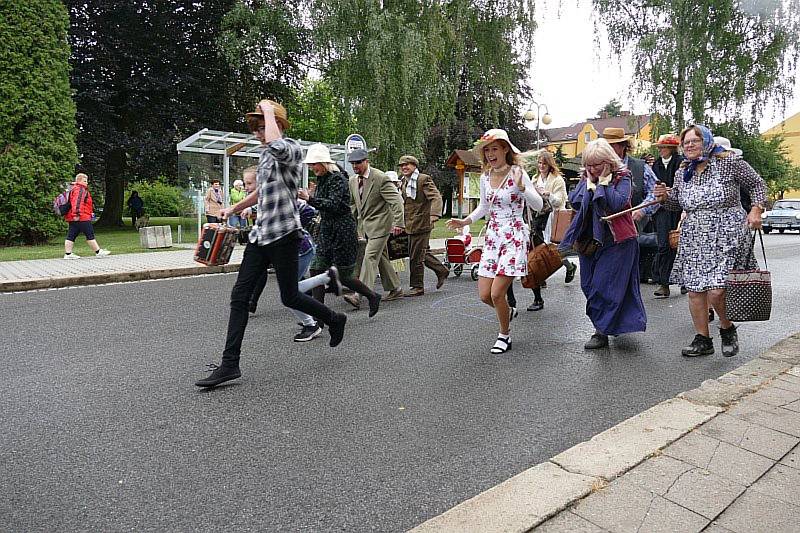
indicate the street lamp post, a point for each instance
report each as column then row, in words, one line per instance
column 530, row 115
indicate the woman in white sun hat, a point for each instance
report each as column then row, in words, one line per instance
column 505, row 190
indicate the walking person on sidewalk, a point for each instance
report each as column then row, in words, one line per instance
column 505, row 189
column 338, row 242
column 378, row 208
column 213, row 203
column 664, row 220
column 422, row 208
column 136, row 206
column 273, row 239
column 715, row 235
column 79, row 218
column 609, row 251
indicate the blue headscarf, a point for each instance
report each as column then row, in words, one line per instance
column 709, row 149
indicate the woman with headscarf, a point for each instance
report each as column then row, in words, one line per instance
column 504, row 192
column 609, row 251
column 715, row 235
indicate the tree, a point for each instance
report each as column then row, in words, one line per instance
column 37, row 118
column 318, row 115
column 613, row 108
column 559, row 156
column 708, row 57
column 145, row 75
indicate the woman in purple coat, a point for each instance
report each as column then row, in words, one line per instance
column 609, row 252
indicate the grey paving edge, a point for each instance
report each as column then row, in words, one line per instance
column 537, row 494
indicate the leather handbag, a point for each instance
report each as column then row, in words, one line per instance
column 543, row 261
column 748, row 292
column 562, row 218
column 675, row 236
column 397, row 246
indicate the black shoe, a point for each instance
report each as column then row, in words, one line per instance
column 308, row 333
column 335, row 284
column 537, row 305
column 252, row 307
column 571, row 272
column 336, row 329
column 597, row 340
column 220, row 374
column 701, row 345
column 730, row 341
column 711, row 315
column 374, row 303
column 684, row 290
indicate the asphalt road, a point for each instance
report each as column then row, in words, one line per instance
column 104, row 430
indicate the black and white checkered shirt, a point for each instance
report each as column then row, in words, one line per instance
column 280, row 171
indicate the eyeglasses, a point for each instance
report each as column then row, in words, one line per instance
column 692, row 142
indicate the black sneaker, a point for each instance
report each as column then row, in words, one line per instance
column 570, row 272
column 220, row 374
column 730, row 341
column 597, row 341
column 537, row 305
column 308, row 333
column 374, row 303
column 335, row 284
column 337, row 329
column 701, row 345
column 252, row 306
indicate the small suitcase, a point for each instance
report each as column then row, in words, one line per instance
column 216, row 244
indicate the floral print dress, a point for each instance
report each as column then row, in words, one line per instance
column 505, row 252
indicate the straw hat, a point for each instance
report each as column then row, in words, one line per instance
column 280, row 114
column 668, row 140
column 491, row 136
column 726, row 144
column 318, row 153
column 616, row 135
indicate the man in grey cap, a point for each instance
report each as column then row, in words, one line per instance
column 378, row 209
column 423, row 206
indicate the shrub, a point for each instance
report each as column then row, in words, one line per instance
column 160, row 199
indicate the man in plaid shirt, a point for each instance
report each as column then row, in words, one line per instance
column 273, row 239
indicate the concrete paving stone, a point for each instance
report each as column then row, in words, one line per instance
column 778, row 397
column 658, row 474
column 775, row 418
column 786, row 385
column 781, row 483
column 715, row 528
column 787, row 350
column 704, row 492
column 617, row 450
column 755, row 508
column 625, row 507
column 518, row 504
column 713, row 392
column 795, row 371
column 719, row 457
column 789, row 378
column 755, row 372
column 792, row 459
column 568, row 522
column 794, row 406
column 757, row 439
column 695, row 449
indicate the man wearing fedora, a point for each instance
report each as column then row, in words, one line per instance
column 273, row 240
column 644, row 180
column 378, row 210
column 422, row 207
column 665, row 166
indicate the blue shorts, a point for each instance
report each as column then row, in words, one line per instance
column 76, row 228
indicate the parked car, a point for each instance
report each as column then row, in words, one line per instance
column 785, row 214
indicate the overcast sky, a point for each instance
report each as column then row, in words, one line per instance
column 565, row 41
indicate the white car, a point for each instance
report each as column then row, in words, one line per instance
column 785, row 214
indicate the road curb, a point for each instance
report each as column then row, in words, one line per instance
column 542, row 491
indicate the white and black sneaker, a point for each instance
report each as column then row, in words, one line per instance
column 335, row 284
column 308, row 333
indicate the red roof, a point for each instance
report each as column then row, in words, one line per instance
column 632, row 124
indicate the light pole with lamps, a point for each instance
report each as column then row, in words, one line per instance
column 530, row 115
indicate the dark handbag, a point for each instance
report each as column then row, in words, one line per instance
column 562, row 218
column 748, row 293
column 398, row 246
column 547, row 207
column 543, row 261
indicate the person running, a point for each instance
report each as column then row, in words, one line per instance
column 504, row 192
column 79, row 218
column 273, row 239
column 338, row 242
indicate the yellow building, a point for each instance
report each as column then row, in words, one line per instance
column 573, row 139
column 790, row 130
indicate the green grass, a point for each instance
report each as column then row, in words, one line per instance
column 125, row 240
column 122, row 240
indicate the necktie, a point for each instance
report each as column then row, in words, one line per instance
column 360, row 186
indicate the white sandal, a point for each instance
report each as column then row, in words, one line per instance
column 501, row 345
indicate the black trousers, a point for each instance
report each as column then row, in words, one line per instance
column 282, row 254
column 664, row 222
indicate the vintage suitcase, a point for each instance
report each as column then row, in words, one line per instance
column 216, row 244
column 397, row 246
column 562, row 218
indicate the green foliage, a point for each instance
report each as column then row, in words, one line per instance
column 37, row 118
column 318, row 115
column 559, row 155
column 708, row 57
column 160, row 199
column 613, row 108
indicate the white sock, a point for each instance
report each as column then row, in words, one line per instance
column 503, row 335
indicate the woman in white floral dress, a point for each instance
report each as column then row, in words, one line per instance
column 505, row 190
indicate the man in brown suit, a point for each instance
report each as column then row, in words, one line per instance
column 422, row 207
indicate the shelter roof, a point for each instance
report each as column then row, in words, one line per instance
column 467, row 157
column 215, row 142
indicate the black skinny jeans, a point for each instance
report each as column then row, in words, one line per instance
column 282, row 254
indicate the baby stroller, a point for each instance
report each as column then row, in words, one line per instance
column 461, row 254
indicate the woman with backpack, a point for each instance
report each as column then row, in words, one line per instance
column 79, row 218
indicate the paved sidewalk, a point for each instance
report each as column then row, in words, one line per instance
column 54, row 273
column 721, row 458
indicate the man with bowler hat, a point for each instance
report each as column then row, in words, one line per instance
column 378, row 209
column 422, row 207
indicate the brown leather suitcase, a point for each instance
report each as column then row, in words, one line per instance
column 562, row 218
column 216, row 244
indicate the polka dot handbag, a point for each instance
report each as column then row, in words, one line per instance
column 748, row 293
